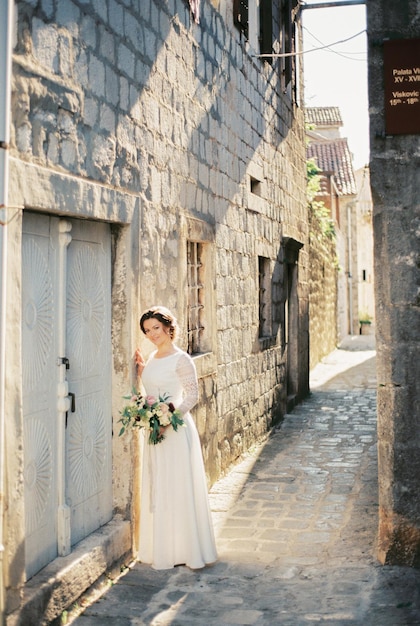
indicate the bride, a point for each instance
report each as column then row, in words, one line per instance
column 175, row 519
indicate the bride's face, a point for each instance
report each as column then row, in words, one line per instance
column 156, row 332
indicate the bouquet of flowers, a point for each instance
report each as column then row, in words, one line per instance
column 151, row 413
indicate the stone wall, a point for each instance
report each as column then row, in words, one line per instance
column 161, row 109
column 395, row 184
column 323, row 292
column 156, row 125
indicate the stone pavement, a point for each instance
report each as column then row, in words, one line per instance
column 295, row 523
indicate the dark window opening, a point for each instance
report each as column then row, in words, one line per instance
column 255, row 185
column 288, row 34
column 240, row 15
column 266, row 28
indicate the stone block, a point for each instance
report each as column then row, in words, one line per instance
column 69, row 154
column 53, row 148
column 107, row 46
column 102, row 156
column 65, row 55
column 45, row 44
column 47, row 7
column 68, row 16
column 101, row 9
column 24, row 138
column 116, row 15
column 150, row 45
column 88, row 31
column 96, row 72
column 107, row 119
column 81, row 70
column 126, row 60
column 90, row 112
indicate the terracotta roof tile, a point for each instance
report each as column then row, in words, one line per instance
column 323, row 116
column 335, row 156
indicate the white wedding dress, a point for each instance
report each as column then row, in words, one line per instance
column 175, row 519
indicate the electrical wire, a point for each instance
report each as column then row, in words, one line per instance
column 301, row 52
column 340, row 54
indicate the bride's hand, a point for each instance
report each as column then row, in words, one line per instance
column 139, row 361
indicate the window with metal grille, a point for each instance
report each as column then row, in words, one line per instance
column 195, row 296
column 264, row 294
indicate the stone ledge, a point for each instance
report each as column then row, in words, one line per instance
column 41, row 189
column 47, row 594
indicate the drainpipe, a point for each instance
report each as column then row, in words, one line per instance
column 6, row 12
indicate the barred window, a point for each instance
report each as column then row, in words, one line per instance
column 264, row 291
column 195, row 297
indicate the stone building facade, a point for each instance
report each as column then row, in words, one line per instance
column 395, row 185
column 323, row 290
column 347, row 196
column 332, row 155
column 154, row 158
column 365, row 276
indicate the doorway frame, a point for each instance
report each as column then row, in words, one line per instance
column 38, row 189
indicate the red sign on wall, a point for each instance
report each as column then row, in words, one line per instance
column 402, row 86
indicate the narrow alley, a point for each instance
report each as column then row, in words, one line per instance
column 296, row 525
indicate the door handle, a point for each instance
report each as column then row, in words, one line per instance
column 72, row 397
column 73, row 401
column 63, row 360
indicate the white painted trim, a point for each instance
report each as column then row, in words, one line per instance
column 6, row 12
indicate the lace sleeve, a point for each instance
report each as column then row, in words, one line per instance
column 187, row 374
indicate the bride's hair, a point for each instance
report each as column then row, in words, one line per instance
column 163, row 315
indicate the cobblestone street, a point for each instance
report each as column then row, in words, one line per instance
column 296, row 526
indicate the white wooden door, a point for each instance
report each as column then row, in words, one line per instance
column 88, row 330
column 66, row 365
column 39, row 387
